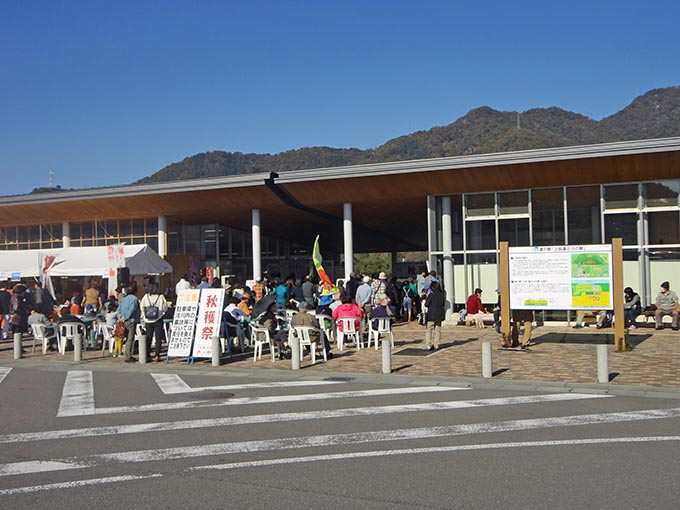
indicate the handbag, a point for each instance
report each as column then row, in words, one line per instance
column 15, row 319
column 120, row 331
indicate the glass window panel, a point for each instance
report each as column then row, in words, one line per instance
column 483, row 274
column 480, row 235
column 34, row 234
column 547, row 214
column 153, row 243
column 138, row 228
column 663, row 227
column 151, row 225
column 481, row 204
column 86, row 231
column 514, row 231
column 621, row 225
column 662, row 194
column 583, row 215
column 124, row 228
column 621, row 196
column 513, row 202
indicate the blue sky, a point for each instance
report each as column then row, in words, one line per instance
column 109, row 92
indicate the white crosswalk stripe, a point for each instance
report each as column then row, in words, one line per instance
column 4, row 371
column 363, row 433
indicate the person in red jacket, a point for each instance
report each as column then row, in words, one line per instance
column 474, row 303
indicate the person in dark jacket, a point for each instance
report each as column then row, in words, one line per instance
column 434, row 316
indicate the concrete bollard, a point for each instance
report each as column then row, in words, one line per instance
column 143, row 355
column 216, row 351
column 386, row 355
column 78, row 347
column 294, row 342
column 602, row 364
column 487, row 363
column 17, row 346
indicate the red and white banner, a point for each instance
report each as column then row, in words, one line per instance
column 210, row 308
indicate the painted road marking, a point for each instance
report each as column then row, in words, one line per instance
column 3, row 372
column 76, row 483
column 171, row 384
column 356, row 438
column 284, row 417
column 77, row 398
column 438, row 449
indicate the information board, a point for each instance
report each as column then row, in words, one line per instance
column 561, row 277
column 183, row 323
column 211, row 304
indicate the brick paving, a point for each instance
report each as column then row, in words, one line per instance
column 561, row 355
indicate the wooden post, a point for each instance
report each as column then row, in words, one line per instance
column 504, row 286
column 620, row 337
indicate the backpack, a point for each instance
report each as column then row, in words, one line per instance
column 152, row 312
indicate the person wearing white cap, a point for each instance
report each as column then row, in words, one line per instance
column 378, row 286
column 363, row 300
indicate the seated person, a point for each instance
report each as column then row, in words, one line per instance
column 50, row 333
column 269, row 321
column 631, row 307
column 348, row 308
column 302, row 318
column 602, row 318
column 244, row 304
column 666, row 304
column 383, row 309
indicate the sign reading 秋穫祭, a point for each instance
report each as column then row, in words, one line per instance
column 561, row 277
column 210, row 308
column 183, row 323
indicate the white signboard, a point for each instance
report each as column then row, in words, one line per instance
column 561, row 277
column 210, row 309
column 183, row 323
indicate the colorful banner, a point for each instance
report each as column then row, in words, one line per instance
column 183, row 323
column 561, row 277
column 318, row 265
column 209, row 321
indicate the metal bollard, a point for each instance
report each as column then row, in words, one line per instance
column 216, row 351
column 17, row 346
column 602, row 364
column 142, row 350
column 294, row 342
column 386, row 355
column 487, row 363
column 78, row 347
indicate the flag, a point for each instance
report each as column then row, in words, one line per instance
column 318, row 265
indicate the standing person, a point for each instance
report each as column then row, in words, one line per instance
column 378, row 287
column 666, row 304
column 5, row 298
column 92, row 297
column 182, row 284
column 352, row 285
column 259, row 289
column 434, row 316
column 129, row 314
column 153, row 307
column 631, row 307
column 18, row 309
column 309, row 292
column 408, row 299
column 421, row 280
column 526, row 319
column 363, row 300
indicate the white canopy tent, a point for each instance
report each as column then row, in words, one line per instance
column 86, row 261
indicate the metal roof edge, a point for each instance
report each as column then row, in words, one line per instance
column 327, row 173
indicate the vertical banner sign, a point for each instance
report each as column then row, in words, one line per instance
column 561, row 277
column 209, row 321
column 115, row 258
column 183, row 323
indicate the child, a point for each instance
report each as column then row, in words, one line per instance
column 119, row 336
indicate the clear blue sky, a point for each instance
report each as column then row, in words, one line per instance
column 107, row 92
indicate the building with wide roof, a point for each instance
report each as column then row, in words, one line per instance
column 456, row 209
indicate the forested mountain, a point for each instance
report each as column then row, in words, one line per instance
column 655, row 114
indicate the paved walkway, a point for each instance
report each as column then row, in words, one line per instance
column 561, row 355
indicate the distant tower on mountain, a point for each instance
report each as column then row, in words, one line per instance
column 51, row 178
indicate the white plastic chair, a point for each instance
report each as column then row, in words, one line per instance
column 107, row 336
column 384, row 327
column 327, row 325
column 39, row 334
column 68, row 331
column 303, row 335
column 260, row 337
column 349, row 330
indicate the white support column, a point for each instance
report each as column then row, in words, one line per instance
column 347, row 235
column 257, row 251
column 431, row 231
column 66, row 234
column 447, row 247
column 162, row 236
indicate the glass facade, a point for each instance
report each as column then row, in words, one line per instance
column 645, row 215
